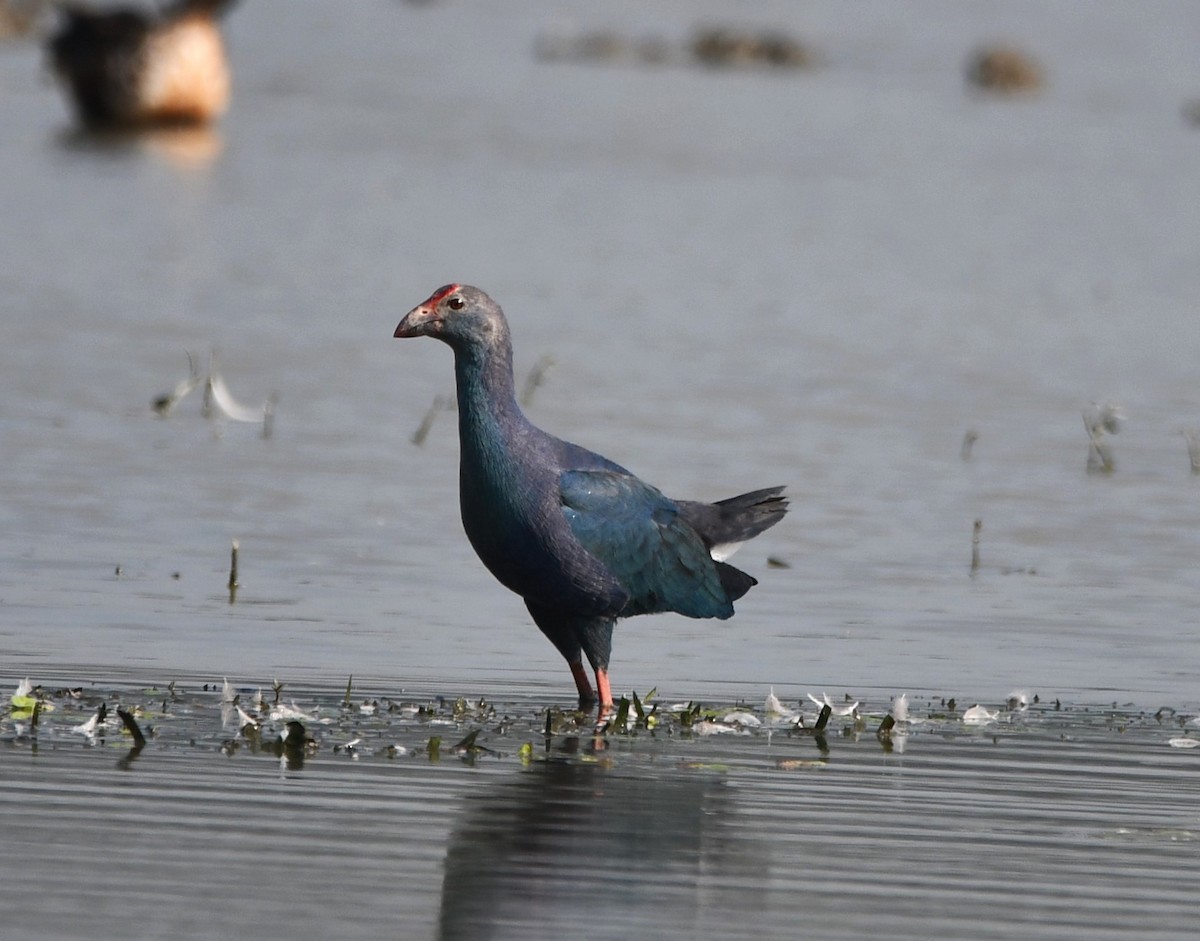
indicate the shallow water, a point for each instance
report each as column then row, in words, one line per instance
column 1055, row 821
column 823, row 279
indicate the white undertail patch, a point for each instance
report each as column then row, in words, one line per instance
column 723, row 550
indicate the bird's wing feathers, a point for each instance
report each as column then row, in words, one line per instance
column 639, row 535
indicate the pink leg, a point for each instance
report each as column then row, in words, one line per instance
column 586, row 695
column 602, row 686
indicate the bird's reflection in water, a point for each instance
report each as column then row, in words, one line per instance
column 184, row 148
column 572, row 848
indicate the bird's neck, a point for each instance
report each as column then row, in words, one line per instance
column 487, row 404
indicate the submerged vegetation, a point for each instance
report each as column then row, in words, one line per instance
column 329, row 725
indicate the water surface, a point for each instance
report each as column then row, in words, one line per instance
column 1054, row 821
column 823, row 278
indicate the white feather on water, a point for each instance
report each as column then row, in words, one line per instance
column 218, row 394
column 979, row 715
column 846, row 709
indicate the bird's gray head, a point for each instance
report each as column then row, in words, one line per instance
column 457, row 314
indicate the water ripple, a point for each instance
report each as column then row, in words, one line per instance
column 1075, row 822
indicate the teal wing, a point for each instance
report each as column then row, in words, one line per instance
column 638, row 534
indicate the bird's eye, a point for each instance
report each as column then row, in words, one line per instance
column 456, row 303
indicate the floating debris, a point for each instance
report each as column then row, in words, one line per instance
column 245, row 719
column 288, row 712
column 1192, row 437
column 742, row 719
column 468, row 744
column 1018, row 700
column 722, row 736
column 22, row 697
column 93, row 725
column 712, row 47
column 706, row 727
column 723, row 47
column 1003, row 70
column 978, row 715
column 131, row 726
column 232, row 584
column 774, row 707
column 968, row 442
column 848, row 708
column 218, row 400
column 1100, row 421
column 219, row 397
column 165, row 403
column 601, row 46
column 441, row 403
column 976, row 534
column 801, row 764
column 533, row 381
column 892, row 733
column 894, row 729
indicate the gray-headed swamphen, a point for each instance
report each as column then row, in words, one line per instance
column 580, row 538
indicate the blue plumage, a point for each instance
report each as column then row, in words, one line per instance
column 580, row 538
column 661, row 562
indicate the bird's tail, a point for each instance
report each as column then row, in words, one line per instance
column 746, row 516
column 735, row 582
column 726, row 524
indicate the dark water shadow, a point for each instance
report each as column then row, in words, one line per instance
column 580, row 848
